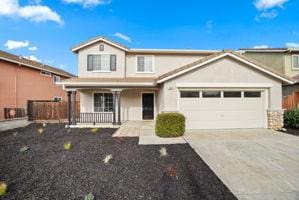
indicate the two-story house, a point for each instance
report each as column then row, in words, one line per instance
column 22, row 79
column 213, row 89
column 283, row 60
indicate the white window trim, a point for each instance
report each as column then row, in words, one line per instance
column 57, row 98
column 136, row 64
column 100, row 53
column 101, row 92
column 293, row 68
column 47, row 73
column 54, row 79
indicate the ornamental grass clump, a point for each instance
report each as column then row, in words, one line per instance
column 24, row 149
column 67, row 146
column 3, row 188
column 40, row 131
column 89, row 196
column 94, row 130
column 107, row 159
column 163, row 152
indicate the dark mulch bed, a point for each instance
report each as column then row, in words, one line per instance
column 292, row 131
column 47, row 171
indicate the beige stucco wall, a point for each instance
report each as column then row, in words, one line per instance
column 94, row 49
column 225, row 70
column 162, row 64
column 289, row 71
column 130, row 102
column 273, row 60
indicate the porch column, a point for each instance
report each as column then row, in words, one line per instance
column 69, row 93
column 114, row 107
column 73, row 107
column 118, row 96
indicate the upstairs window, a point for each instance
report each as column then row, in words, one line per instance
column 56, row 78
column 101, row 62
column 145, row 64
column 45, row 73
column 295, row 61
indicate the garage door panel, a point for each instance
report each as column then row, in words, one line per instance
column 218, row 113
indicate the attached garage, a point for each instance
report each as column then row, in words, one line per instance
column 225, row 91
column 223, row 109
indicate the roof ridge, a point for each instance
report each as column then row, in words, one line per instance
column 31, row 63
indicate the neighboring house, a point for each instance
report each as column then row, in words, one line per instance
column 22, row 79
column 213, row 89
column 283, row 60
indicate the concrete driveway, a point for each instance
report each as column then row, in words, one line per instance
column 253, row 164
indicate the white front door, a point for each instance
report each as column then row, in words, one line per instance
column 217, row 109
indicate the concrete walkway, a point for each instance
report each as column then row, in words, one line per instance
column 254, row 164
column 145, row 130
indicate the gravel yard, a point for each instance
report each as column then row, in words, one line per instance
column 48, row 171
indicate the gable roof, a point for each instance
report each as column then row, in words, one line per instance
column 97, row 39
column 84, row 44
column 216, row 56
column 32, row 64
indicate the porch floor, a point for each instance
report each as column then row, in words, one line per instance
column 145, row 130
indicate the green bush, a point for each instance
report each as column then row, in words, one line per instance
column 291, row 118
column 170, row 125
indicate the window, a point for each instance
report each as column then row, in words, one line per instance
column 56, row 78
column 145, row 64
column 45, row 73
column 255, row 94
column 103, row 102
column 101, row 62
column 101, row 47
column 211, row 94
column 295, row 61
column 189, row 94
column 231, row 94
column 57, row 99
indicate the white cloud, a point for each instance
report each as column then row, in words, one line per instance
column 33, row 48
column 12, row 44
column 62, row 66
column 267, row 15
column 88, row 3
column 36, row 13
column 292, row 44
column 32, row 57
column 267, row 4
column 261, row 46
column 122, row 36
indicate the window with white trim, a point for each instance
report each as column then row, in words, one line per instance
column 57, row 98
column 101, row 62
column 145, row 64
column 295, row 62
column 45, row 73
column 102, row 102
column 56, row 78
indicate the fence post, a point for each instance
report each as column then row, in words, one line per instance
column 30, row 110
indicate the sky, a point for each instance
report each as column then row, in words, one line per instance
column 45, row 30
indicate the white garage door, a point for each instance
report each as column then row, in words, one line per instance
column 218, row 109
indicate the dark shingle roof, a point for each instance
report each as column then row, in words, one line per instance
column 33, row 64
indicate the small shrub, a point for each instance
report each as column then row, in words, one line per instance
column 3, row 188
column 172, row 171
column 291, row 118
column 67, row 145
column 107, row 159
column 163, row 152
column 94, row 130
column 24, row 149
column 90, row 196
column 170, row 125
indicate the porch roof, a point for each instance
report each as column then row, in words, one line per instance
column 109, row 82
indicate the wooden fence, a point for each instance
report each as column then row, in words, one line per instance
column 49, row 110
column 291, row 101
column 11, row 113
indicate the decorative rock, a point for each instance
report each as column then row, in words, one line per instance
column 275, row 119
